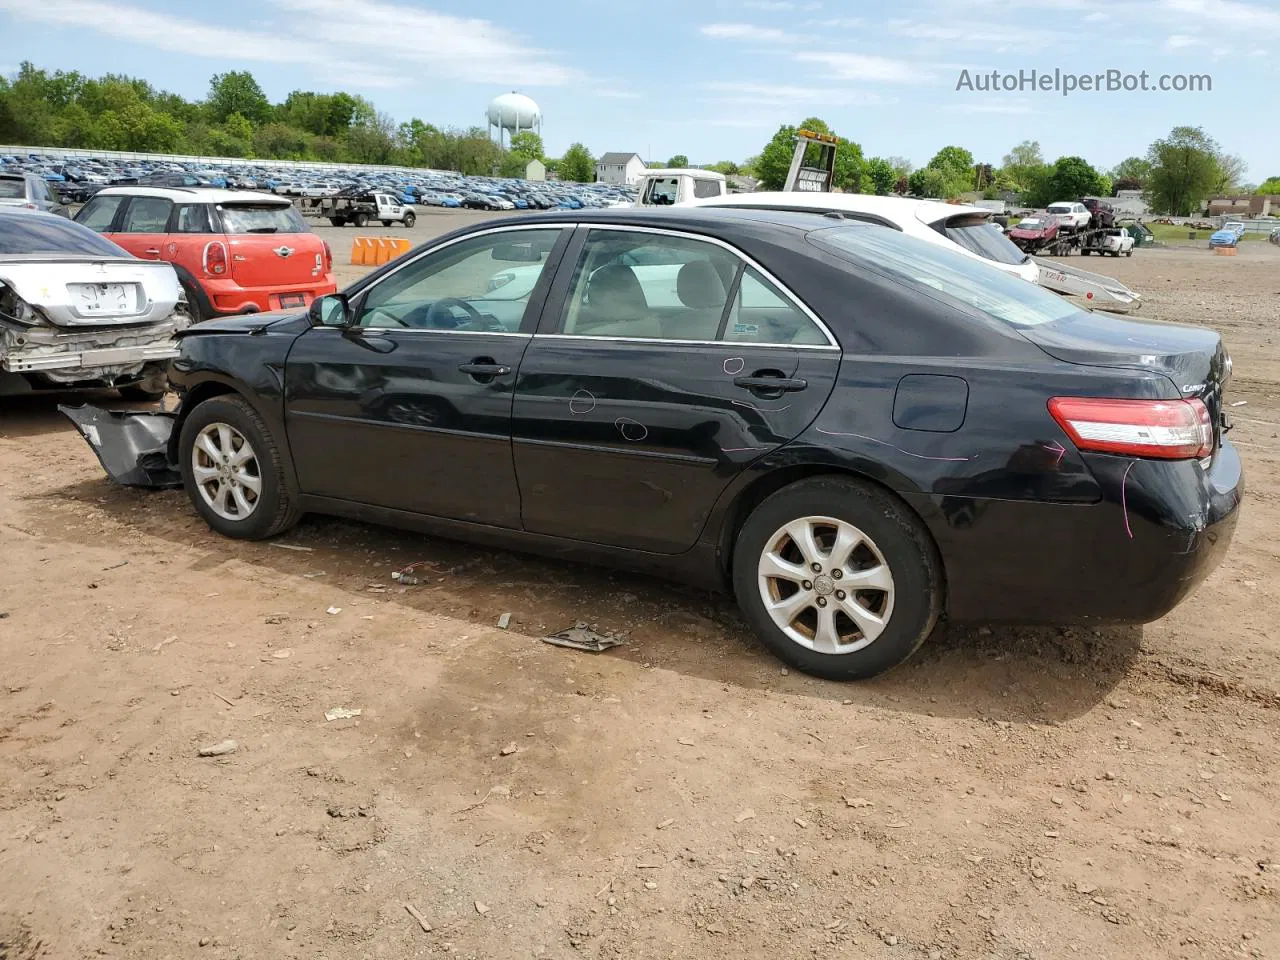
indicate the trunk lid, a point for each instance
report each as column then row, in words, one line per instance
column 1194, row 358
column 270, row 246
column 93, row 292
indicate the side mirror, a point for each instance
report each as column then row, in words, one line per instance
column 330, row 311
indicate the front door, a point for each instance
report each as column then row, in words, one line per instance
column 665, row 365
column 410, row 408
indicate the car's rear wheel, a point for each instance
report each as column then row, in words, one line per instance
column 361, row 220
column 410, row 219
column 232, row 470
column 337, row 221
column 837, row 578
column 386, row 223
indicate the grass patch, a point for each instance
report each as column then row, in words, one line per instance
column 1169, row 232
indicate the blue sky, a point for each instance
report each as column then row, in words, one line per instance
column 713, row 79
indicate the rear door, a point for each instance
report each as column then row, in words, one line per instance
column 142, row 226
column 270, row 245
column 190, row 231
column 633, row 412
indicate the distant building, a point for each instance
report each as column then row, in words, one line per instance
column 536, row 170
column 620, row 169
column 738, row 183
column 1126, row 203
column 1260, row 205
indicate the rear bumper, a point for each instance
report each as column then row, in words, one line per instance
column 228, row 297
column 87, row 357
column 1159, row 530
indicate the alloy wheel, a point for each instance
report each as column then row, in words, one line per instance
column 226, row 471
column 826, row 585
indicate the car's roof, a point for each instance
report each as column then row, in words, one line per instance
column 712, row 220
column 895, row 209
column 194, row 194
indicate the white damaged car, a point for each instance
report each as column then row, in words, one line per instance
column 78, row 311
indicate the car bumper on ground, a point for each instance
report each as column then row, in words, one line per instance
column 1159, row 530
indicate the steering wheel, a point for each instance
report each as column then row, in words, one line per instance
column 376, row 312
column 440, row 315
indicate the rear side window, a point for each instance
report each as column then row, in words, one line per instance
column 979, row 235
column 33, row 233
column 761, row 314
column 146, row 215
column 261, row 218
column 99, row 212
column 706, row 188
column 12, row 189
column 192, row 218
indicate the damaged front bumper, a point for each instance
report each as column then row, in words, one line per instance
column 132, row 447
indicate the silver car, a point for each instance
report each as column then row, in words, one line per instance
column 30, row 192
column 78, row 311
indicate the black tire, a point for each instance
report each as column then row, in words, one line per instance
column 410, row 219
column 1128, row 253
column 1084, row 252
column 386, row 223
column 195, row 300
column 275, row 511
column 361, row 220
column 904, row 544
column 337, row 221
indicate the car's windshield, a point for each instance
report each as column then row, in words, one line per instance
column 1059, row 208
column 38, row 234
column 262, row 218
column 979, row 235
column 12, row 188
column 663, row 191
column 921, row 264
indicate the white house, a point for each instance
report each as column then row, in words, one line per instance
column 619, row 169
column 535, row 170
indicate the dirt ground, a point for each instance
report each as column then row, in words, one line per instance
column 1009, row 793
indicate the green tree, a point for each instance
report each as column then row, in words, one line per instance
column 1269, row 186
column 1131, row 169
column 679, row 160
column 1184, row 168
column 577, row 164
column 527, row 144
column 282, row 141
column 928, row 182
column 880, row 176
column 901, row 166
column 1229, row 173
column 774, row 162
column 775, row 159
column 727, row 167
column 513, row 165
column 1023, row 167
column 1068, row 179
column 956, row 163
column 237, row 92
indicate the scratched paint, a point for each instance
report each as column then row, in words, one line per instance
column 918, row 456
column 752, row 406
column 1124, row 498
column 734, row 366
column 632, row 430
column 1059, row 449
column 584, row 401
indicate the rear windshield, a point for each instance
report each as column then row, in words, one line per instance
column 920, row 264
column 34, row 233
column 11, row 189
column 981, row 236
column 262, row 218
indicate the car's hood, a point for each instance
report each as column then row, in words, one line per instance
column 246, row 323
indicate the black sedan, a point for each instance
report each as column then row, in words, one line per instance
column 856, row 432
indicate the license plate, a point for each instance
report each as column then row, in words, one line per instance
column 104, row 299
column 292, row 300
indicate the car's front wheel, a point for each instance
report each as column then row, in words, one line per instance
column 837, row 578
column 410, row 219
column 232, row 470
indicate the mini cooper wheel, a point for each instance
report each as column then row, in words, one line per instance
column 837, row 578
column 231, row 469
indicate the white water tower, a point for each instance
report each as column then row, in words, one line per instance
column 512, row 112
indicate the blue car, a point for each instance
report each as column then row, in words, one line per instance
column 1224, row 238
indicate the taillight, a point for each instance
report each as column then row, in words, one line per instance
column 1164, row 429
column 215, row 258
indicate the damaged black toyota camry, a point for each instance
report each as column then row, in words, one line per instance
column 856, row 432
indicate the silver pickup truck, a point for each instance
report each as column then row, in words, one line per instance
column 78, row 311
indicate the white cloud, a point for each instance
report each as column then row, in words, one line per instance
column 1180, row 41
column 990, row 37
column 778, row 5
column 614, row 94
column 766, row 95
column 1097, row 17
column 837, row 23
column 422, row 42
column 1227, row 13
column 749, row 32
column 859, row 66
column 994, row 106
